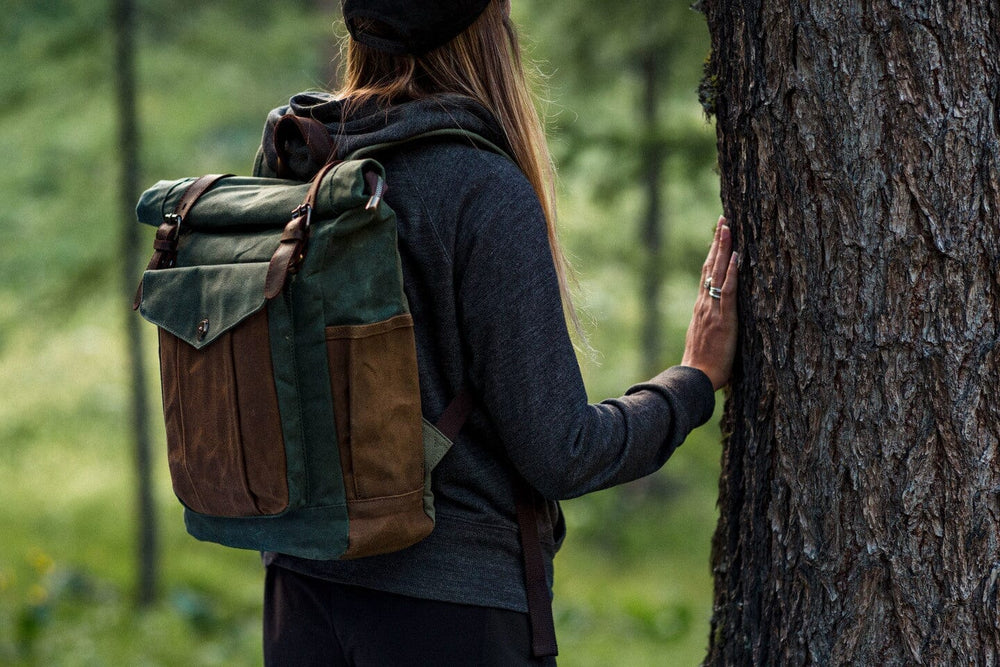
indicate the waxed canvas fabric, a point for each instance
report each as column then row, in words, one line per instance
column 293, row 424
column 231, row 382
column 388, row 472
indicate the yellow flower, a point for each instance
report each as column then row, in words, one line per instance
column 40, row 561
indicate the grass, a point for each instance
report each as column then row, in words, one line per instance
column 67, row 563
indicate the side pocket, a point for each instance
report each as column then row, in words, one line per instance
column 376, row 400
column 436, row 445
column 224, row 440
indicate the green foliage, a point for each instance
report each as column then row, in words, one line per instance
column 598, row 80
column 708, row 88
column 633, row 583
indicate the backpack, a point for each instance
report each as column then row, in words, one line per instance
column 288, row 363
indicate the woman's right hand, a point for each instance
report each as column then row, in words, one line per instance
column 710, row 345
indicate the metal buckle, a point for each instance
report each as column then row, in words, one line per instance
column 303, row 210
column 176, row 219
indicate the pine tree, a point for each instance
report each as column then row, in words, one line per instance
column 859, row 501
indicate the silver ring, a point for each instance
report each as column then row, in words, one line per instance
column 708, row 283
column 715, row 292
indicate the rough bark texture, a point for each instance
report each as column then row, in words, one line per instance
column 860, row 497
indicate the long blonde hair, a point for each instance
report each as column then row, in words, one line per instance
column 483, row 63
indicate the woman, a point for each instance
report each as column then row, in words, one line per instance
column 486, row 285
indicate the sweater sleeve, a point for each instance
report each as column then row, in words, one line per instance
column 524, row 367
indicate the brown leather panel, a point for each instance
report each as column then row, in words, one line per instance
column 386, row 524
column 376, row 397
column 224, row 441
column 260, row 423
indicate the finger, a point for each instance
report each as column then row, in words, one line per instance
column 709, row 265
column 722, row 256
column 732, row 275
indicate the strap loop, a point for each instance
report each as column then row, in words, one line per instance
column 167, row 234
column 291, row 249
column 292, row 130
column 543, row 628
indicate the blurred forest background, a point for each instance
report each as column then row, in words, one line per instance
column 639, row 198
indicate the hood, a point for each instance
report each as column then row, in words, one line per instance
column 375, row 124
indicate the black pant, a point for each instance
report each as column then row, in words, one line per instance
column 310, row 622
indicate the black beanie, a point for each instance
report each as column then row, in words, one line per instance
column 413, row 26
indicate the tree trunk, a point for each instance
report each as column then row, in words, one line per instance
column 860, row 518
column 128, row 143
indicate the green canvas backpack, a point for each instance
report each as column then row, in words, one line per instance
column 288, row 364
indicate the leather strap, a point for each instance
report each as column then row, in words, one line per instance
column 291, row 249
column 543, row 630
column 195, row 191
column 310, row 132
column 453, row 418
column 165, row 243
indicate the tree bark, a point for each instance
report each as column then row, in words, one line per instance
column 860, row 518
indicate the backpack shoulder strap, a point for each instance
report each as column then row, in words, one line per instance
column 543, row 631
column 291, row 129
column 453, row 418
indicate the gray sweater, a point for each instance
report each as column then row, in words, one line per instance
column 485, row 301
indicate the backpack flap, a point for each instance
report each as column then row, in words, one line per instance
column 250, row 202
column 235, row 201
column 200, row 303
column 225, row 439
